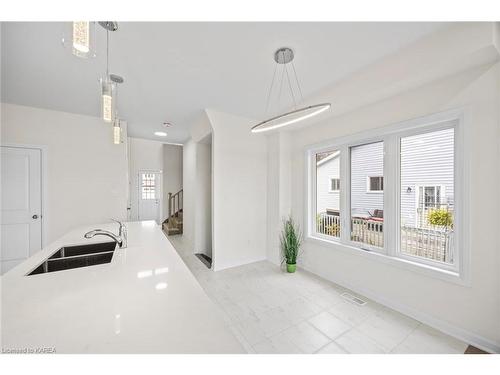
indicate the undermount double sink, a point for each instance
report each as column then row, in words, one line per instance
column 69, row 257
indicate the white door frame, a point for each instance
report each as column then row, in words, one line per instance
column 139, row 172
column 43, row 183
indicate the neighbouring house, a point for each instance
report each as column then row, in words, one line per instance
column 426, row 173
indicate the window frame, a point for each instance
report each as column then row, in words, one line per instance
column 330, row 190
column 391, row 253
column 347, row 219
column 368, row 185
column 457, row 253
column 312, row 192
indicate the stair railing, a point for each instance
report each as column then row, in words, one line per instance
column 175, row 203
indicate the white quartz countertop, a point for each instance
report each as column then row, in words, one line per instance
column 145, row 301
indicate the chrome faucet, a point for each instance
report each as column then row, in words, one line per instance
column 120, row 239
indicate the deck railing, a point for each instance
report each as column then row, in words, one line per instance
column 435, row 244
column 328, row 224
column 431, row 243
column 367, row 231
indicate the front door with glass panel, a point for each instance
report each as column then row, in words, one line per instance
column 149, row 195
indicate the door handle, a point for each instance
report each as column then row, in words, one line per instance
column 35, row 217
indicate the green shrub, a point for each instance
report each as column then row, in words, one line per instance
column 440, row 217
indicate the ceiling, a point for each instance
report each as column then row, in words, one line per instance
column 173, row 71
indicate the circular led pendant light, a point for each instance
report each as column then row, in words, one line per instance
column 284, row 56
column 290, row 118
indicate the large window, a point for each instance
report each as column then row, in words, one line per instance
column 367, row 210
column 394, row 194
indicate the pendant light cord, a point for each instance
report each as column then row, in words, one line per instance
column 270, row 89
column 281, row 84
column 107, row 53
column 289, row 81
column 297, row 80
column 290, row 87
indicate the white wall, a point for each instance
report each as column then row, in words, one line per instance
column 470, row 312
column 189, row 186
column 278, row 191
column 172, row 173
column 144, row 155
column 239, row 191
column 197, row 178
column 86, row 173
column 203, row 219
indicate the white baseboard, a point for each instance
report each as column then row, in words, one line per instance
column 441, row 325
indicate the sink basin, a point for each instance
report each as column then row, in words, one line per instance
column 71, row 251
column 69, row 257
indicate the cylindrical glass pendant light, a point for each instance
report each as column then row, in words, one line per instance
column 80, row 37
column 108, row 99
column 117, row 132
column 109, row 81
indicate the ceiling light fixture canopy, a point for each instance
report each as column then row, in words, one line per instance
column 284, row 56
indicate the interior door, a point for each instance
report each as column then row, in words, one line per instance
column 149, row 195
column 21, row 225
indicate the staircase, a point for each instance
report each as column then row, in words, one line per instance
column 173, row 224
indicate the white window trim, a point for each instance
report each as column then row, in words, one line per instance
column 458, row 273
column 368, row 190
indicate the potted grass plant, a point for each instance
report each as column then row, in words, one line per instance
column 290, row 240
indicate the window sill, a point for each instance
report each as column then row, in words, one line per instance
column 423, row 269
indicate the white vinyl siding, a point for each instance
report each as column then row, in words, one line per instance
column 366, row 160
column 327, row 199
column 427, row 161
column 430, row 157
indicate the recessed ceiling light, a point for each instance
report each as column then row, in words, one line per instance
column 161, row 134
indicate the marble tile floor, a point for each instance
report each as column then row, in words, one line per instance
column 272, row 312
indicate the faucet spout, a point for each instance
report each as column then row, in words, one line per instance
column 101, row 232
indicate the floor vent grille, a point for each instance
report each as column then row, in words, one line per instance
column 353, row 299
column 205, row 259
